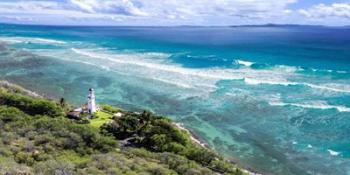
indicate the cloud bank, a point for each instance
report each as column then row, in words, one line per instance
column 341, row 10
column 164, row 12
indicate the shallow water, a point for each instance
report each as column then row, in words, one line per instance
column 276, row 99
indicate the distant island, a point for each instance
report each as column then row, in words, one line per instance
column 39, row 137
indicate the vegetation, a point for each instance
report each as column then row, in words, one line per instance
column 110, row 109
column 99, row 118
column 37, row 138
column 30, row 105
column 158, row 134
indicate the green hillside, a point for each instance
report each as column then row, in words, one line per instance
column 36, row 137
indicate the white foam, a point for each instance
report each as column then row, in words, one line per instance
column 330, row 87
column 245, row 63
column 309, row 146
column 250, row 76
column 323, row 70
column 282, row 68
column 333, row 153
column 49, row 41
column 313, row 105
column 251, row 81
column 156, row 66
column 203, row 79
column 285, row 68
column 15, row 40
column 340, row 88
column 213, row 73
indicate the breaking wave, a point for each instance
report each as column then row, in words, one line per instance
column 210, row 73
column 278, row 76
column 244, row 63
column 335, row 88
column 251, row 81
column 312, row 105
column 333, row 153
column 28, row 40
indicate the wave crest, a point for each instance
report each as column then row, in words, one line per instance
column 313, row 105
column 245, row 63
column 16, row 40
column 333, row 153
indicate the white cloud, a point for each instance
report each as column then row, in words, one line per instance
column 87, row 6
column 321, row 11
column 203, row 8
column 165, row 12
column 123, row 7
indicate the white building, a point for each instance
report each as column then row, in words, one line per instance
column 91, row 102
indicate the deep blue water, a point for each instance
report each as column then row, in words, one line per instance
column 275, row 99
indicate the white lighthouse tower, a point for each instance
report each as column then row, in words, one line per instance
column 91, row 102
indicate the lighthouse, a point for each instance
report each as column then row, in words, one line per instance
column 91, row 102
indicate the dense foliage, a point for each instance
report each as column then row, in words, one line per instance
column 159, row 134
column 30, row 105
column 37, row 138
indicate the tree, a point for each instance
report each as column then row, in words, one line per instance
column 63, row 102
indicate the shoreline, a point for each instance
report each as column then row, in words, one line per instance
column 201, row 143
column 194, row 138
column 17, row 88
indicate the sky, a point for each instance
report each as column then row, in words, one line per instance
column 175, row 12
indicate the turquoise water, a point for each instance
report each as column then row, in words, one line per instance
column 275, row 99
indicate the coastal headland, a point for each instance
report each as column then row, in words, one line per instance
column 39, row 137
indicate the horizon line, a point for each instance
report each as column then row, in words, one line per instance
column 165, row 26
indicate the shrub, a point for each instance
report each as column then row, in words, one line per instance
column 25, row 158
column 10, row 114
column 4, row 152
column 54, row 167
column 8, row 137
column 182, row 165
column 110, row 108
column 161, row 171
column 43, row 139
column 141, row 152
column 222, row 166
column 31, row 106
column 83, row 121
column 201, row 155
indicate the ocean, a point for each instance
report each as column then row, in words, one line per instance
column 272, row 98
